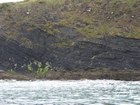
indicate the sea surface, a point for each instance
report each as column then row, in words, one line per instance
column 71, row 92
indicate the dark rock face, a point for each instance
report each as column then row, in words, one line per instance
column 69, row 50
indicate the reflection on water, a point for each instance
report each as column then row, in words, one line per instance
column 86, row 92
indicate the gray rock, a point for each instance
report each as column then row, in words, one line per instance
column 70, row 50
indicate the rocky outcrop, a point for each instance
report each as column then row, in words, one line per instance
column 69, row 50
column 70, row 35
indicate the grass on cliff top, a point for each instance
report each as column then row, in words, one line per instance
column 115, row 17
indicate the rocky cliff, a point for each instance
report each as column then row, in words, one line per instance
column 68, row 35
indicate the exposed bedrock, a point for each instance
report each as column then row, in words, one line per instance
column 69, row 50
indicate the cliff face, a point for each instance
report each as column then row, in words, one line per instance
column 71, row 52
column 70, row 35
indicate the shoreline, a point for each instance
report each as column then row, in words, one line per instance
column 40, row 35
column 126, row 75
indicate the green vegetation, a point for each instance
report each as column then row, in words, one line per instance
column 11, row 71
column 29, row 66
column 49, row 28
column 93, row 19
column 93, row 57
column 130, row 2
column 41, row 69
column 48, row 2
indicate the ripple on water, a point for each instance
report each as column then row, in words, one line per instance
column 84, row 92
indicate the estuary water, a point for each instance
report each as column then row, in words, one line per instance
column 81, row 92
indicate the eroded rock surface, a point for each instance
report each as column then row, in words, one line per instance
column 70, row 35
column 70, row 50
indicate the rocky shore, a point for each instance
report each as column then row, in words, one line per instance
column 127, row 75
column 100, row 40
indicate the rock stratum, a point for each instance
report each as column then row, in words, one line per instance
column 70, row 35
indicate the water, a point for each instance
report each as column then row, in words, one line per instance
column 82, row 92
